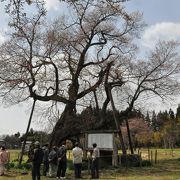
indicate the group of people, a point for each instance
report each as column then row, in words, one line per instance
column 4, row 159
column 55, row 161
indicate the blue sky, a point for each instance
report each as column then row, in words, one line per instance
column 161, row 16
column 157, row 11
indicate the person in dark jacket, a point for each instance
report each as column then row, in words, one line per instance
column 95, row 162
column 62, row 161
column 36, row 161
column 45, row 159
column 53, row 161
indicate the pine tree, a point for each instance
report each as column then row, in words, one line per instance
column 178, row 112
column 147, row 119
column 171, row 114
column 154, row 121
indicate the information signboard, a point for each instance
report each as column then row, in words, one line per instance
column 103, row 140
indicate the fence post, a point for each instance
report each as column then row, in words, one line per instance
column 69, row 155
column 119, row 160
column 151, row 157
column 140, row 159
column 89, row 162
column 155, row 157
column 18, row 155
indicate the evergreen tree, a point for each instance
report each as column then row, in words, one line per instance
column 162, row 119
column 178, row 125
column 147, row 119
column 178, row 112
column 154, row 121
column 171, row 114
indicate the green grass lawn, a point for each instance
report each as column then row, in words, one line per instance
column 167, row 168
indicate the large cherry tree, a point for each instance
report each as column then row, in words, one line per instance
column 66, row 60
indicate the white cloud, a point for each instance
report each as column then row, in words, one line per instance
column 52, row 4
column 160, row 31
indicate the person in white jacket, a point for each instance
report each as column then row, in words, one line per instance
column 77, row 153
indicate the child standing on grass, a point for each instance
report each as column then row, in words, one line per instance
column 4, row 158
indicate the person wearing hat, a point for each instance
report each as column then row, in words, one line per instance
column 45, row 159
column 52, row 158
column 62, row 161
column 95, row 162
column 77, row 160
column 36, row 161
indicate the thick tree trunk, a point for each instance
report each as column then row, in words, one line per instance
column 101, row 112
column 66, row 126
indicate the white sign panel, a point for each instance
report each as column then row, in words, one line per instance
column 103, row 140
